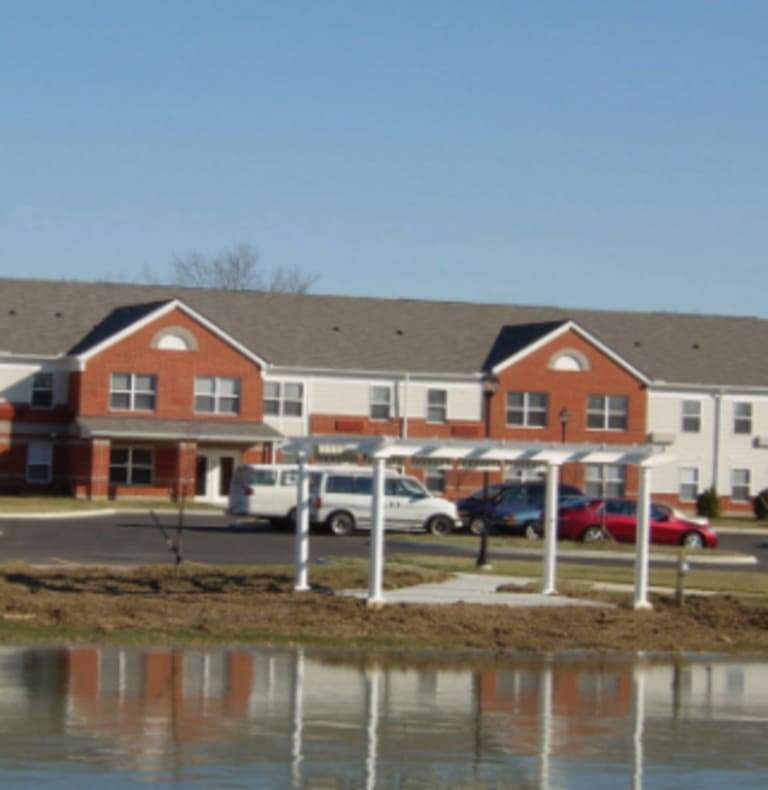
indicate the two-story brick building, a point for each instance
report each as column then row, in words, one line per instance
column 115, row 390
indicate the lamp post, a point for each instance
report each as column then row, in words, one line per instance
column 564, row 418
column 490, row 385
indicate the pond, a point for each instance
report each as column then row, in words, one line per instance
column 264, row 718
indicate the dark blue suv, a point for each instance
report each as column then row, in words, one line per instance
column 515, row 507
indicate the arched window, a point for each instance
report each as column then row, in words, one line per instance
column 569, row 360
column 174, row 338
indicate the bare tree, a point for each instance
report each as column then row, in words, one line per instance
column 237, row 269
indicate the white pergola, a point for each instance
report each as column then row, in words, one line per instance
column 381, row 450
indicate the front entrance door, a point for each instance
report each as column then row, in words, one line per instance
column 213, row 474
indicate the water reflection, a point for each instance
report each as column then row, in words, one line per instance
column 286, row 718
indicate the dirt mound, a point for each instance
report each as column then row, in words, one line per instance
column 156, row 606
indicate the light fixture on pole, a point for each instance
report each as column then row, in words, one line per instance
column 490, row 385
column 564, row 418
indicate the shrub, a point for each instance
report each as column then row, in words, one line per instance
column 760, row 504
column 708, row 503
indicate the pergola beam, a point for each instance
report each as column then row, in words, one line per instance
column 380, row 449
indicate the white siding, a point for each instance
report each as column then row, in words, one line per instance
column 16, row 381
column 716, row 450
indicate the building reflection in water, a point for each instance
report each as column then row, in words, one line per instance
column 292, row 718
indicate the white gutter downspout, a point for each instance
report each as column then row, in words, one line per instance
column 404, row 430
column 716, row 440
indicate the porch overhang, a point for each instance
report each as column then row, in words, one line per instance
column 153, row 429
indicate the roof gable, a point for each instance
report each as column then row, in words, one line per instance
column 124, row 321
column 514, row 343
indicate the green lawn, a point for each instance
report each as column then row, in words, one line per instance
column 62, row 504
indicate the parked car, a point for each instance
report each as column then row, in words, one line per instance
column 264, row 491
column 514, row 506
column 342, row 501
column 591, row 519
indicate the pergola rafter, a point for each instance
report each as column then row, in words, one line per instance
column 379, row 450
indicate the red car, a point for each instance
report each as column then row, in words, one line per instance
column 585, row 519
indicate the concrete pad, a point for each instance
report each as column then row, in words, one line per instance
column 477, row 589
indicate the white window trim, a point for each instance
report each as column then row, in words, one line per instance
column 748, row 484
column 45, row 460
column 748, row 420
column 33, row 389
column 682, row 483
column 607, row 475
column 133, row 391
column 606, row 413
column 281, row 399
column 684, row 416
column 373, row 403
column 217, row 396
column 527, row 410
column 130, row 465
column 443, row 407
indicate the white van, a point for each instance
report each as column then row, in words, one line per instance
column 264, row 491
column 342, row 500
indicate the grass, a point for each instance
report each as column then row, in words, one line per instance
column 65, row 504
column 753, row 586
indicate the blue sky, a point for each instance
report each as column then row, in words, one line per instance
column 587, row 154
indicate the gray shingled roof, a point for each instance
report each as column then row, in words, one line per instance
column 351, row 333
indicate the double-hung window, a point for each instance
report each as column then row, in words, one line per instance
column 132, row 391
column 130, row 466
column 607, row 412
column 217, row 395
column 689, row 483
column 437, row 405
column 740, row 485
column 434, row 480
column 381, row 402
column 41, row 396
column 604, row 480
column 691, row 416
column 742, row 417
column 283, row 398
column 39, row 462
column 527, row 409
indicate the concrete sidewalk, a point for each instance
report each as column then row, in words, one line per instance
column 478, row 589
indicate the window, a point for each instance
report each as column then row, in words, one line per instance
column 215, row 395
column 607, row 412
column 527, row 409
column 286, row 398
column 39, row 457
column 42, row 391
column 130, row 466
column 381, row 400
column 689, row 483
column 349, row 484
column 434, row 480
column 740, row 485
column 691, row 416
column 437, row 401
column 604, row 480
column 742, row 417
column 132, row 391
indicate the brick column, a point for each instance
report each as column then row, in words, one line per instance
column 184, row 484
column 99, row 470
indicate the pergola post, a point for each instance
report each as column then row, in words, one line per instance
column 302, row 526
column 376, row 571
column 643, row 538
column 550, row 529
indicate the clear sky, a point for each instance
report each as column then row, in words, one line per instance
column 584, row 153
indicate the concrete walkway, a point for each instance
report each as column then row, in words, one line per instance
column 479, row 589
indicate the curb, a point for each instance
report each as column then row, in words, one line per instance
column 105, row 512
